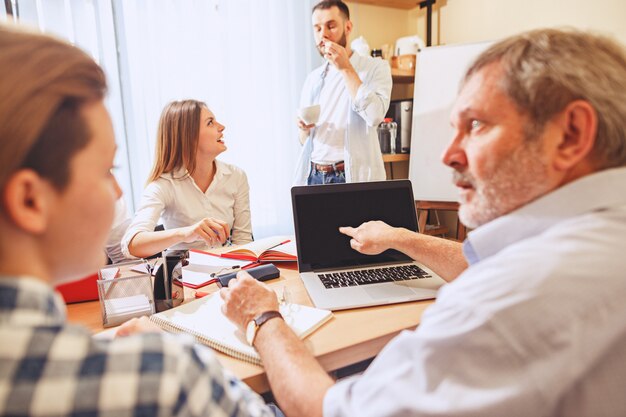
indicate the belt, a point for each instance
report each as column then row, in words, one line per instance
column 336, row 167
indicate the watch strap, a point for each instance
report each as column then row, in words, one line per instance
column 263, row 317
column 255, row 324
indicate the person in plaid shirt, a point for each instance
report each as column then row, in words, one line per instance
column 57, row 204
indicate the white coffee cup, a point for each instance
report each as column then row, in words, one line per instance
column 310, row 115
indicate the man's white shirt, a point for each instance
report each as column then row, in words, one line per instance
column 534, row 327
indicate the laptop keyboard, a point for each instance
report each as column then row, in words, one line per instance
column 373, row 276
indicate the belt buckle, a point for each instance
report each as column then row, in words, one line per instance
column 322, row 168
column 327, row 168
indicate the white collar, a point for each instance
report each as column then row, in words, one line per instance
column 221, row 169
column 590, row 193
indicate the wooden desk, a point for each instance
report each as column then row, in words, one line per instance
column 350, row 337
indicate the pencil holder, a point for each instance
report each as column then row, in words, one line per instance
column 123, row 298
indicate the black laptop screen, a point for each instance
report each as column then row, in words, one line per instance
column 320, row 210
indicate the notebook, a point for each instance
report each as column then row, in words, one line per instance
column 204, row 320
column 338, row 277
column 270, row 249
column 203, row 267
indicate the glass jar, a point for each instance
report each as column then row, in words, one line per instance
column 377, row 53
column 387, row 132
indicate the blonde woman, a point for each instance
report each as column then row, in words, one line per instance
column 201, row 201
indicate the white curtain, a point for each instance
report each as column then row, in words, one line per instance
column 247, row 59
column 88, row 24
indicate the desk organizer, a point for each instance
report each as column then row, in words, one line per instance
column 123, row 298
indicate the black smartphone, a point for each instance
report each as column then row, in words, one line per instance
column 261, row 273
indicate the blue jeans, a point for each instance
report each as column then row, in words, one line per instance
column 319, row 177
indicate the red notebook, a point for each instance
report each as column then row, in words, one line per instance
column 84, row 289
column 203, row 268
column 270, row 249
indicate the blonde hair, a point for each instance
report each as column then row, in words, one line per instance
column 177, row 138
column 43, row 83
column 546, row 69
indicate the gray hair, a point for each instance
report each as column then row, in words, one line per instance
column 545, row 70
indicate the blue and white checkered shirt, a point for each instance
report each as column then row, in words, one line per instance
column 50, row 368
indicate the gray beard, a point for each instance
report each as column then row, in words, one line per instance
column 518, row 181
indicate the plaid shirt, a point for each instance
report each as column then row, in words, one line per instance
column 50, row 368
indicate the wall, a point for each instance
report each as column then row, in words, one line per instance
column 378, row 25
column 456, row 21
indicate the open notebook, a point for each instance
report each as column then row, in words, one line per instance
column 203, row 319
column 270, row 249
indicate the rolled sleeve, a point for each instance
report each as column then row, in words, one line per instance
column 242, row 224
column 373, row 96
column 153, row 202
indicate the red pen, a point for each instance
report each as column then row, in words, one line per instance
column 200, row 294
column 281, row 243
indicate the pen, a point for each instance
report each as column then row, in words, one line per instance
column 278, row 244
column 225, row 270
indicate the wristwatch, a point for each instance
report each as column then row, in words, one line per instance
column 253, row 325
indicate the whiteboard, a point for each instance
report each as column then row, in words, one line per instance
column 438, row 72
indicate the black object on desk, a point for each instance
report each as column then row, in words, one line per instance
column 168, row 288
column 261, row 273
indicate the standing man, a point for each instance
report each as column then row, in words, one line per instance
column 532, row 321
column 353, row 92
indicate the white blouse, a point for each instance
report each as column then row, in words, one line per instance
column 178, row 202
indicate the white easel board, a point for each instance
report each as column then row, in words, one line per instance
column 438, row 73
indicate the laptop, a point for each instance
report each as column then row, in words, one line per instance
column 335, row 275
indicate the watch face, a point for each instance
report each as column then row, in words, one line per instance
column 250, row 332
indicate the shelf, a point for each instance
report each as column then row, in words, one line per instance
column 423, row 207
column 434, row 230
column 395, row 157
column 403, row 76
column 395, row 4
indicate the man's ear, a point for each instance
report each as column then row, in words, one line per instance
column 26, row 201
column 348, row 29
column 579, row 126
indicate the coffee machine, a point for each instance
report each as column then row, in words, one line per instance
column 401, row 111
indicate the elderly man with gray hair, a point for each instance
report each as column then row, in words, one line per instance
column 532, row 322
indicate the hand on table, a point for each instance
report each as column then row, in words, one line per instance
column 370, row 238
column 245, row 298
column 136, row 326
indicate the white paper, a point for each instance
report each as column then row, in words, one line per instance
column 204, row 317
column 128, row 306
column 197, row 258
column 202, row 265
column 142, row 267
column 109, row 273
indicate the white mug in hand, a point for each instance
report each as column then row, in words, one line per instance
column 309, row 115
